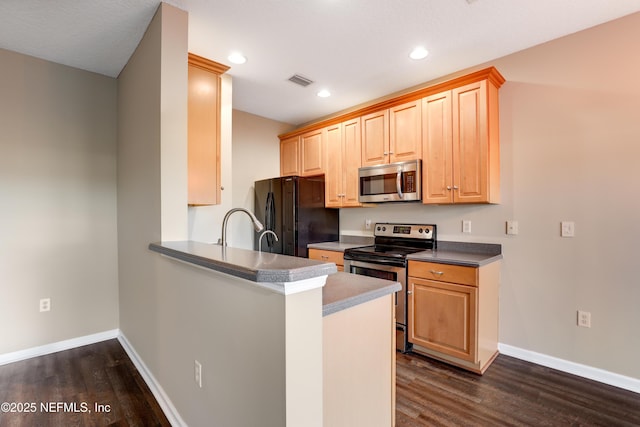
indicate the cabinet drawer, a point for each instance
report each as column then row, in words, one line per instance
column 444, row 272
column 328, row 256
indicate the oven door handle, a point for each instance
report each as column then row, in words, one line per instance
column 377, row 265
column 399, row 183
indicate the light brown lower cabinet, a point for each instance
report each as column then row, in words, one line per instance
column 359, row 365
column 453, row 312
column 328, row 256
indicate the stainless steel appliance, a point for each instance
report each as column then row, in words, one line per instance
column 393, row 182
column 293, row 208
column 387, row 259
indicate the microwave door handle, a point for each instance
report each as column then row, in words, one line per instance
column 399, row 184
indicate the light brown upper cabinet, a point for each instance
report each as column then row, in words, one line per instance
column 405, row 130
column 312, row 152
column 342, row 163
column 303, row 155
column 461, row 151
column 289, row 158
column 392, row 135
column 203, row 127
column 375, row 138
column 452, row 126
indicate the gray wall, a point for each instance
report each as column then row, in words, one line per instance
column 58, row 202
column 569, row 152
column 570, row 133
column 254, row 158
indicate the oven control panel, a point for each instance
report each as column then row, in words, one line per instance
column 406, row 231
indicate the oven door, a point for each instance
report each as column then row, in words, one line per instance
column 393, row 273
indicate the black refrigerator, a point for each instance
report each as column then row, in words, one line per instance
column 293, row 208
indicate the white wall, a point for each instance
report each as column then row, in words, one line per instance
column 58, row 202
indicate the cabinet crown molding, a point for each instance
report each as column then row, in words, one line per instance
column 207, row 64
column 490, row 74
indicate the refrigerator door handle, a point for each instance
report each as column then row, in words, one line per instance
column 269, row 216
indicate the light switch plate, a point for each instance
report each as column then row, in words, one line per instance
column 466, row 226
column 512, row 227
column 568, row 229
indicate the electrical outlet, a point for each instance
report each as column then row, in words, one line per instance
column 584, row 319
column 45, row 304
column 512, row 227
column 466, row 226
column 367, row 224
column 197, row 371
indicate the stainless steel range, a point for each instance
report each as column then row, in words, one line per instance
column 387, row 259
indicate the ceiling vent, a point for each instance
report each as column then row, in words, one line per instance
column 299, row 80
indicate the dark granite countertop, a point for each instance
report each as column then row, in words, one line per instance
column 244, row 263
column 461, row 253
column 344, row 290
column 334, row 246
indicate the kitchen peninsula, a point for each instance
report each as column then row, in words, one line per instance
column 306, row 331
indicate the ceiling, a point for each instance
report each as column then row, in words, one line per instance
column 357, row 49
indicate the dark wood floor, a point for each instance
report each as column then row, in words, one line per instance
column 429, row 393
column 81, row 378
column 510, row 393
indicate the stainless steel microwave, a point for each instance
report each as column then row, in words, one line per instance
column 393, row 182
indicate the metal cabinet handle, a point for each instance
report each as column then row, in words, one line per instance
column 455, row 187
column 324, row 257
column 409, row 292
column 449, row 187
column 439, row 273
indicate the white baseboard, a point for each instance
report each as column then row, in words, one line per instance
column 163, row 400
column 596, row 374
column 42, row 350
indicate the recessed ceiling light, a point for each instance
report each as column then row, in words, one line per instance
column 419, row 53
column 324, row 93
column 237, row 58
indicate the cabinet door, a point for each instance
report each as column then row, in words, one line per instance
column 443, row 317
column 328, row 256
column 470, row 143
column 375, row 138
column 289, row 157
column 351, row 160
column 203, row 130
column 311, row 153
column 333, row 177
column 437, row 148
column 405, row 127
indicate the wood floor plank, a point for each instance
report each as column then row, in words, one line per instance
column 80, row 378
column 510, row 393
column 429, row 393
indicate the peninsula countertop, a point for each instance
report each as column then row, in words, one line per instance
column 345, row 290
column 247, row 264
column 340, row 291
